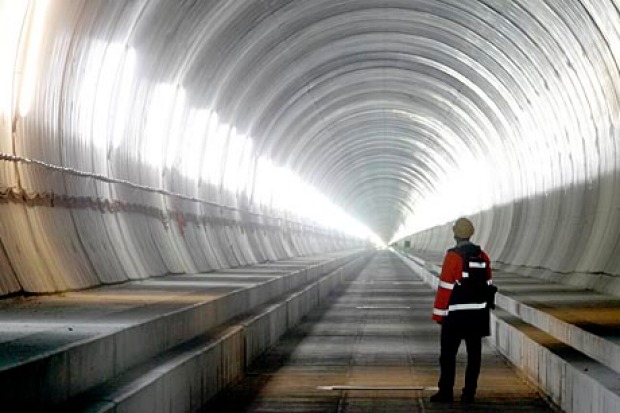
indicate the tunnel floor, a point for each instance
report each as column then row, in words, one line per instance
column 376, row 334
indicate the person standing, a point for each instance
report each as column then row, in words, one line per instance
column 462, row 304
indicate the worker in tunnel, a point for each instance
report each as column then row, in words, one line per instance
column 464, row 296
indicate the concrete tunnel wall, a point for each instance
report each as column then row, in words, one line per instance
column 118, row 132
column 83, row 206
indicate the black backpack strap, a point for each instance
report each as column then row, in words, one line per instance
column 467, row 252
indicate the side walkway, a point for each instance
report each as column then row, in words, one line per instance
column 166, row 344
column 372, row 348
column 565, row 339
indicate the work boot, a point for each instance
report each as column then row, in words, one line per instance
column 441, row 397
column 468, row 398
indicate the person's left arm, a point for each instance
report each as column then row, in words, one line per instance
column 452, row 266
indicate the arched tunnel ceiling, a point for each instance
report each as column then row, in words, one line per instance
column 359, row 97
column 388, row 107
column 376, row 103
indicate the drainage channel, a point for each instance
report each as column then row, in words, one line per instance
column 373, row 348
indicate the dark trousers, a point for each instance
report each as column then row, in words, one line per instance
column 450, row 342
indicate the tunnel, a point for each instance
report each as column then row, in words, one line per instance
column 190, row 189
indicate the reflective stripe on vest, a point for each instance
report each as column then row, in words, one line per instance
column 471, row 306
column 466, row 275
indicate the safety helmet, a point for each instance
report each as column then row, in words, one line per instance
column 463, row 228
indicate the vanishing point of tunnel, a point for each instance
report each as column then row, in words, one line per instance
column 200, row 194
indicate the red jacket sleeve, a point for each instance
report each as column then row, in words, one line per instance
column 488, row 261
column 451, row 270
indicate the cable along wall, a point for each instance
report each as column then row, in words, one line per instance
column 110, row 173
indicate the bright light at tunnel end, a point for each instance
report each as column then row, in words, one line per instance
column 281, row 188
column 214, row 151
column 229, row 162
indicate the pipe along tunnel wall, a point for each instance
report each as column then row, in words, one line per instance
column 53, row 241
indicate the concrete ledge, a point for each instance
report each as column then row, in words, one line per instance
column 186, row 377
column 603, row 283
column 264, row 330
column 200, row 368
column 599, row 348
column 53, row 376
column 602, row 349
column 571, row 379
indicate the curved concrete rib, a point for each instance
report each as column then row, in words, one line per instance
column 406, row 114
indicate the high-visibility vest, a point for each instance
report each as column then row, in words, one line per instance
column 471, row 291
column 462, row 299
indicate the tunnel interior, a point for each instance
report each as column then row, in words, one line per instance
column 181, row 182
column 145, row 138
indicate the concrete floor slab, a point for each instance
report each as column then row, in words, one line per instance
column 341, row 344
